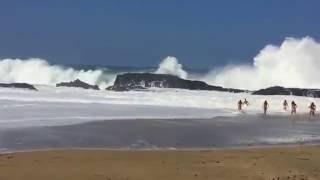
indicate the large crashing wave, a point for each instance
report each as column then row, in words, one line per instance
column 170, row 65
column 39, row 71
column 295, row 63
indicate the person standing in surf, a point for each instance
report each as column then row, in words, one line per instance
column 240, row 105
column 265, row 107
column 293, row 108
column 245, row 102
column 312, row 108
column 285, row 105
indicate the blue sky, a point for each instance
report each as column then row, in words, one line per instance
column 142, row 32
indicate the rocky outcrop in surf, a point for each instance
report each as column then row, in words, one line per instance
column 79, row 84
column 134, row 81
column 18, row 85
column 278, row 90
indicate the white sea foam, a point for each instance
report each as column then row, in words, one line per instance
column 60, row 106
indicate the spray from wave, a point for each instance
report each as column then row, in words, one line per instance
column 295, row 63
column 170, row 65
column 39, row 71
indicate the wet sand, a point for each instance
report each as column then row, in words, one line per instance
column 218, row 132
column 295, row 163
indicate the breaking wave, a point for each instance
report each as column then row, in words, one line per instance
column 295, row 63
column 39, row 71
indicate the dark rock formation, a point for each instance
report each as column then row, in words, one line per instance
column 78, row 83
column 134, row 81
column 275, row 90
column 278, row 90
column 18, row 85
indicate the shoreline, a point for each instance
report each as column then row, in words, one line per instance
column 236, row 148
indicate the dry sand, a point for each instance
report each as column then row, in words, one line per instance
column 269, row 163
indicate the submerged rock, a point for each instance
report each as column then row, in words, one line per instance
column 18, row 85
column 278, row 90
column 134, row 81
column 78, row 83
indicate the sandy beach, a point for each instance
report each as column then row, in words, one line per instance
column 297, row 163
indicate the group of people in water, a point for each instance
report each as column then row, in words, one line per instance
column 294, row 106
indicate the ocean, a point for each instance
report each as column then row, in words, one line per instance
column 65, row 117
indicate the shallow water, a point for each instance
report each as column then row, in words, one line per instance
column 218, row 132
